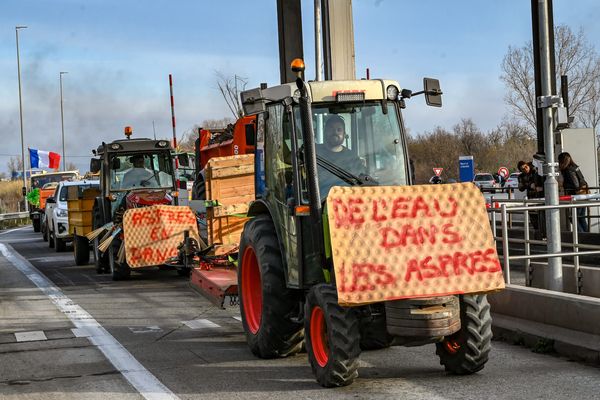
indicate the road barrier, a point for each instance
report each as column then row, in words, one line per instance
column 508, row 207
column 16, row 215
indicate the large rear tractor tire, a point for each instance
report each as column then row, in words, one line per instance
column 466, row 351
column 332, row 337
column 81, row 250
column 267, row 306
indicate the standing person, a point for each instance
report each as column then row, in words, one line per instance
column 573, row 183
column 533, row 183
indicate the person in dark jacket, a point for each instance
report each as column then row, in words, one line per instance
column 573, row 183
column 533, row 183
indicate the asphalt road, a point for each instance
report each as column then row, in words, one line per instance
column 157, row 332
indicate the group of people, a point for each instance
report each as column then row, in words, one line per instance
column 571, row 182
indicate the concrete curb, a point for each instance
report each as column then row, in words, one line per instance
column 547, row 338
column 548, row 321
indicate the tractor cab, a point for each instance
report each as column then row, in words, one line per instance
column 312, row 136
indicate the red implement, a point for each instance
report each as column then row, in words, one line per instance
column 215, row 283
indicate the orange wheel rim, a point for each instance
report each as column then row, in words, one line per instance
column 451, row 346
column 251, row 290
column 318, row 336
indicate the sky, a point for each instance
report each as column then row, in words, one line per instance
column 119, row 54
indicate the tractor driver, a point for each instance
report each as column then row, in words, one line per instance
column 334, row 151
column 138, row 175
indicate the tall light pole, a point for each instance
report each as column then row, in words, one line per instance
column 62, row 121
column 21, row 116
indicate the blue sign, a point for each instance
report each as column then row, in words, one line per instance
column 466, row 168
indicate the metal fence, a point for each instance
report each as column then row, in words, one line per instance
column 509, row 207
column 16, row 215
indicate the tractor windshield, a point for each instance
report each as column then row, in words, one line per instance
column 363, row 139
column 141, row 171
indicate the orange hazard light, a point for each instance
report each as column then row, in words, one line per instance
column 297, row 65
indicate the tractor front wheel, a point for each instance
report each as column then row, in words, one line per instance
column 466, row 351
column 267, row 306
column 332, row 337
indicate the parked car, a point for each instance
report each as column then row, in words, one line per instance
column 485, row 181
column 56, row 214
column 513, row 180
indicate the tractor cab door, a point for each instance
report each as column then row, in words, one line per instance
column 280, row 186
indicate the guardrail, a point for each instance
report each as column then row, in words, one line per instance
column 17, row 215
column 506, row 209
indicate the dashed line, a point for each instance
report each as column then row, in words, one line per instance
column 201, row 324
column 132, row 370
column 32, row 336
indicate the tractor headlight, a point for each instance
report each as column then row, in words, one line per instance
column 392, row 92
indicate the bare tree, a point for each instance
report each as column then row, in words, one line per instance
column 230, row 88
column 71, row 166
column 15, row 164
column 575, row 57
column 186, row 144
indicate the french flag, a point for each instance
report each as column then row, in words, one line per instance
column 44, row 159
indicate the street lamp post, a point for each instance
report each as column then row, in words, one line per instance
column 21, row 115
column 62, row 121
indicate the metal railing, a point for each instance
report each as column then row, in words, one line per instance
column 16, row 215
column 509, row 207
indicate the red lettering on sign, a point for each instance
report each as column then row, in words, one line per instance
column 364, row 277
column 355, row 217
column 472, row 263
column 376, row 216
column 400, row 207
column 407, row 234
column 450, row 235
column 420, row 205
column 446, row 214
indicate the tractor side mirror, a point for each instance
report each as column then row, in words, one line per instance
column 433, row 93
column 95, row 165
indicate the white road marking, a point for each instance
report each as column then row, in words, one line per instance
column 80, row 332
column 16, row 229
column 32, row 336
column 131, row 369
column 238, row 317
column 145, row 329
column 201, row 324
column 68, row 257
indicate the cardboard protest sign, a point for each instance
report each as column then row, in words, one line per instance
column 153, row 233
column 411, row 241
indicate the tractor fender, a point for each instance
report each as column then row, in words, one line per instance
column 261, row 207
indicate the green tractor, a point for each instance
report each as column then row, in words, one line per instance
column 312, row 136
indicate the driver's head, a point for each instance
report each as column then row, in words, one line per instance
column 137, row 160
column 335, row 132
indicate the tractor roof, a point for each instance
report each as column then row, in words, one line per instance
column 320, row 91
column 137, row 144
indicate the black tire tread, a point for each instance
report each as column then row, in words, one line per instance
column 278, row 335
column 81, row 250
column 344, row 338
column 475, row 336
